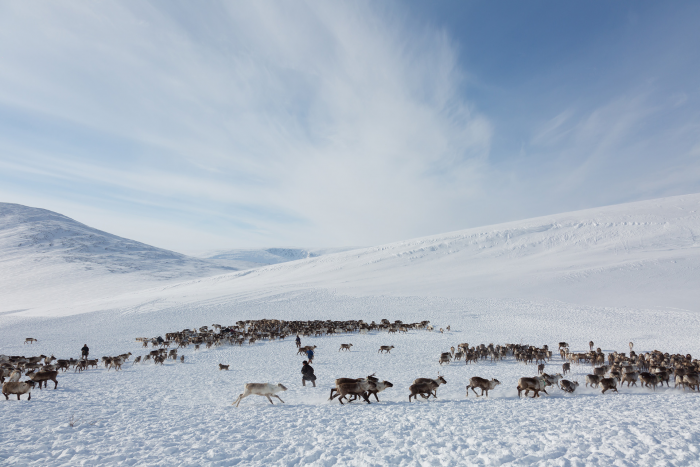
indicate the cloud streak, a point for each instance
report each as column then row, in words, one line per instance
column 334, row 116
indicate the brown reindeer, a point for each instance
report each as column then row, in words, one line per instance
column 484, row 384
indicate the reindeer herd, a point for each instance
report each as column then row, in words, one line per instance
column 608, row 371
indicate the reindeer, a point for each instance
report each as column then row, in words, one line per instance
column 422, row 389
column 631, row 377
column 532, row 384
column 649, row 379
column 360, row 388
column 303, row 350
column 566, row 368
column 691, row 380
column 551, row 380
column 385, row 348
column 345, row 347
column 593, row 380
column 568, row 386
column 484, row 384
column 440, row 380
column 609, row 383
column 18, row 388
column 44, row 377
column 340, row 381
column 261, row 389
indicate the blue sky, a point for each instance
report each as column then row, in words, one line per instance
column 230, row 124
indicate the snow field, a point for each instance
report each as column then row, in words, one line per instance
column 181, row 414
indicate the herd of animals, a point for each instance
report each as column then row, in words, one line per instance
column 649, row 369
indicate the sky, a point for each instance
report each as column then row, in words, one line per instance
column 212, row 125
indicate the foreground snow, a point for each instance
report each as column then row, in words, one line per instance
column 181, row 414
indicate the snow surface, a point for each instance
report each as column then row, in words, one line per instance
column 611, row 275
column 252, row 258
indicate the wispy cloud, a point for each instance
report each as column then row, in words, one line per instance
column 341, row 116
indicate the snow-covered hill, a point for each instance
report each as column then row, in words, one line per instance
column 644, row 254
column 47, row 258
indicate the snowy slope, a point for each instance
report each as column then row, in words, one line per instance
column 252, row 258
column 47, row 258
column 644, row 254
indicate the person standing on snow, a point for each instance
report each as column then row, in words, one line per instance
column 85, row 351
column 307, row 374
column 298, row 341
column 310, row 355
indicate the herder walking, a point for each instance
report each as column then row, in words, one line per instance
column 85, row 351
column 298, row 341
column 310, row 355
column 307, row 373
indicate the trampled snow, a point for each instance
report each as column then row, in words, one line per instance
column 612, row 275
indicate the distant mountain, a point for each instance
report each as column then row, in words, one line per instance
column 52, row 255
column 253, row 258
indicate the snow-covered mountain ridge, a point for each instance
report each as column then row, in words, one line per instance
column 643, row 254
column 46, row 257
column 26, row 231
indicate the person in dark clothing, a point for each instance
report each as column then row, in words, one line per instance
column 160, row 340
column 310, row 355
column 85, row 351
column 307, row 373
column 298, row 341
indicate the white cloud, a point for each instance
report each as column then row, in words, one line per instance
column 348, row 118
